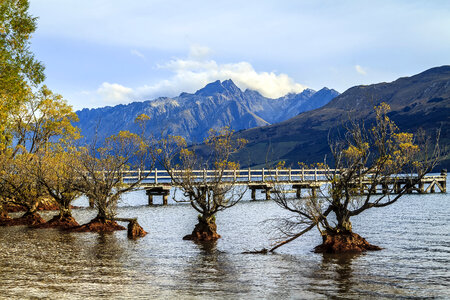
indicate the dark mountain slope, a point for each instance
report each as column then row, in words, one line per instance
column 420, row 101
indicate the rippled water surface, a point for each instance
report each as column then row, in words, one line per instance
column 46, row 263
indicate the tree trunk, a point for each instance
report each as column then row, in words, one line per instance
column 65, row 211
column 31, row 209
column 100, row 218
column 205, row 230
column 4, row 217
column 101, row 213
column 344, row 225
column 342, row 217
column 30, row 218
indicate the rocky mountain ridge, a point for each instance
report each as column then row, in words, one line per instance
column 216, row 105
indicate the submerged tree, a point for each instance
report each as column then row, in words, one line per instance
column 42, row 119
column 58, row 172
column 19, row 187
column 364, row 160
column 208, row 192
column 102, row 170
column 30, row 114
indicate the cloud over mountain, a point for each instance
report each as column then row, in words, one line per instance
column 195, row 71
column 191, row 115
column 114, row 93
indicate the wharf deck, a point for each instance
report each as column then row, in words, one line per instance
column 160, row 183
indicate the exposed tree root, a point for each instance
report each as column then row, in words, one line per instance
column 58, row 221
column 344, row 243
column 98, row 225
column 203, row 231
column 332, row 243
column 28, row 218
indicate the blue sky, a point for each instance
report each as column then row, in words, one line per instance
column 106, row 52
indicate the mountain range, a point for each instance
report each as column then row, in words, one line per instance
column 216, row 105
column 292, row 128
column 419, row 101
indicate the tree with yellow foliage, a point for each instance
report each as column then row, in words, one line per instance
column 19, row 70
column 375, row 156
column 207, row 192
column 19, row 187
column 57, row 171
column 102, row 169
column 31, row 116
column 43, row 119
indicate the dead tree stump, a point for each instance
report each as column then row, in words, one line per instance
column 134, row 229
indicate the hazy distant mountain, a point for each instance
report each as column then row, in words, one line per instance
column 216, row 105
column 420, row 101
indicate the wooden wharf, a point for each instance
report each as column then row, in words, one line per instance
column 160, row 183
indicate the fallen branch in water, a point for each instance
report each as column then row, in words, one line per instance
column 293, row 237
column 262, row 251
column 265, row 251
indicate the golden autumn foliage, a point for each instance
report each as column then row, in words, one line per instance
column 102, row 167
column 18, row 185
column 57, row 172
column 19, row 70
column 213, row 190
column 367, row 163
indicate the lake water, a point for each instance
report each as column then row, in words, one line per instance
column 48, row 264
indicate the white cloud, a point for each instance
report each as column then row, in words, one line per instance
column 195, row 72
column 114, row 93
column 304, row 38
column 360, row 70
column 137, row 53
column 198, row 52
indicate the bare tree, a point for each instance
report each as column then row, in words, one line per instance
column 208, row 192
column 364, row 160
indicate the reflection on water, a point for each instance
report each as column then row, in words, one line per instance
column 47, row 263
column 209, row 270
column 341, row 266
column 207, row 247
column 107, row 248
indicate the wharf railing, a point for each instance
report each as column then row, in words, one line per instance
column 160, row 182
column 241, row 176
